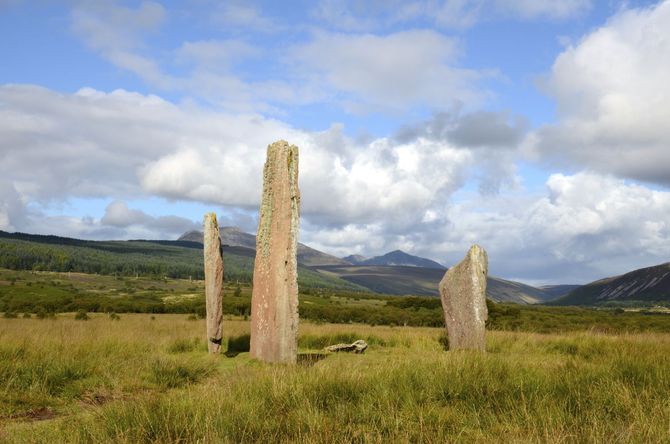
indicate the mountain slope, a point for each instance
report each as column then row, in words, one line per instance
column 651, row 284
column 502, row 290
column 235, row 237
column 412, row 280
column 400, row 258
column 354, row 259
column 558, row 291
column 183, row 259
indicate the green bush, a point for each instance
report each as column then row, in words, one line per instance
column 81, row 315
column 41, row 313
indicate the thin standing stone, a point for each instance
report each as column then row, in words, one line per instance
column 274, row 302
column 213, row 283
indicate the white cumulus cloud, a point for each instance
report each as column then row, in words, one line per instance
column 613, row 99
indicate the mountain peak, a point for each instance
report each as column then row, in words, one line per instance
column 354, row 259
column 399, row 257
column 191, row 236
column 231, row 228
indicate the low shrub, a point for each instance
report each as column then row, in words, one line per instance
column 81, row 316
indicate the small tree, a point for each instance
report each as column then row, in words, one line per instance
column 238, row 292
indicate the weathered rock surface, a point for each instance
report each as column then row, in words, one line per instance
column 463, row 294
column 357, row 347
column 274, row 301
column 213, row 283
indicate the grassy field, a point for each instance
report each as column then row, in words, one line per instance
column 148, row 378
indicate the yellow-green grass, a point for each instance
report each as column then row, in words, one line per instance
column 143, row 380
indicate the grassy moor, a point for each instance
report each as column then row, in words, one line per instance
column 551, row 374
column 148, row 378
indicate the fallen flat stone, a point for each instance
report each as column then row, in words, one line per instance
column 274, row 301
column 357, row 347
column 213, row 283
column 463, row 294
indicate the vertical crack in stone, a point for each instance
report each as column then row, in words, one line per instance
column 213, row 256
column 463, row 294
column 274, row 302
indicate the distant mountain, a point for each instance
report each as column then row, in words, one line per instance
column 412, row 280
column 234, row 237
column 393, row 273
column 400, row 258
column 354, row 259
column 651, row 284
column 183, row 258
column 502, row 290
column 191, row 236
column 231, row 236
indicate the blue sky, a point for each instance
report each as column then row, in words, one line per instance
column 536, row 129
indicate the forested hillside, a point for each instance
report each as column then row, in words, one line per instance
column 174, row 259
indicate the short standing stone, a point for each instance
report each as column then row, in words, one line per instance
column 213, row 283
column 274, row 302
column 463, row 293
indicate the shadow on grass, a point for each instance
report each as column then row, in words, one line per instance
column 240, row 344
column 237, row 345
column 309, row 359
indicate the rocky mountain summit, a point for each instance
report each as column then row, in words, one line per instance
column 400, row 258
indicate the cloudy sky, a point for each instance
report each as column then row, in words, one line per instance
column 538, row 129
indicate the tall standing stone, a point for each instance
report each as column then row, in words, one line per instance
column 463, row 294
column 274, row 302
column 213, row 283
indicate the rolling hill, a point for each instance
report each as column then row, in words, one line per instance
column 405, row 280
column 396, row 272
column 175, row 259
column 235, row 237
column 183, row 259
column 651, row 284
